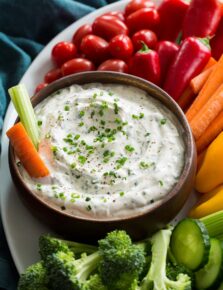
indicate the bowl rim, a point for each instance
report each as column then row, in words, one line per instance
column 121, row 78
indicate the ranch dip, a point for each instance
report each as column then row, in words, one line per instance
column 112, row 150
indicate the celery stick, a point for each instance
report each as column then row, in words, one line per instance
column 214, row 224
column 24, row 108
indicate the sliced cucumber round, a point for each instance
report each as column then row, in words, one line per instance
column 210, row 276
column 190, row 244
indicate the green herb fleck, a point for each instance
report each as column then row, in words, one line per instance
column 110, row 93
column 62, row 196
column 73, row 165
column 121, row 193
column 39, row 186
column 161, row 182
column 140, row 116
column 87, row 199
column 39, row 123
column 66, row 108
column 77, row 137
column 163, row 121
column 54, row 149
column 82, row 159
column 129, row 148
column 121, row 161
column 88, row 208
column 116, row 108
column 81, row 124
column 144, row 165
column 81, row 114
column 92, row 129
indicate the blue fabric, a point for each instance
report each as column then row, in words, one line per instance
column 26, row 26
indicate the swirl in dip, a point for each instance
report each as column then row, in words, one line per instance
column 111, row 150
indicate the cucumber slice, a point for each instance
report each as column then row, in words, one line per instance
column 210, row 276
column 190, row 244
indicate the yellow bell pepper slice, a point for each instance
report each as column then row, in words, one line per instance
column 210, row 173
column 209, row 203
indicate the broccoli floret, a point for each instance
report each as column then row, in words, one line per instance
column 173, row 270
column 156, row 278
column 94, row 283
column 122, row 262
column 49, row 245
column 67, row 273
column 35, row 278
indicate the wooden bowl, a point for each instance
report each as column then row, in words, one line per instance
column 137, row 225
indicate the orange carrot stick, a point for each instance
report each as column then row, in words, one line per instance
column 213, row 130
column 214, row 81
column 207, row 114
column 26, row 151
column 198, row 82
column 186, row 98
column 210, row 63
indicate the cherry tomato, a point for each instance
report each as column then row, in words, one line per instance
column 145, row 18
column 108, row 26
column 52, row 75
column 121, row 47
column 40, row 86
column 95, row 48
column 118, row 14
column 63, row 51
column 76, row 65
column 135, row 5
column 80, row 33
column 147, row 36
column 114, row 65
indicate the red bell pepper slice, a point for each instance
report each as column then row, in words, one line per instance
column 172, row 13
column 145, row 64
column 217, row 42
column 190, row 60
column 167, row 51
column 202, row 18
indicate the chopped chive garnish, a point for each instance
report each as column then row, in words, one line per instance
column 121, row 161
column 121, row 193
column 116, row 108
column 88, row 208
column 82, row 159
column 82, row 113
column 77, row 137
column 39, row 186
column 73, row 165
column 66, row 108
column 144, row 165
column 129, row 148
column 39, row 123
column 161, row 182
column 81, row 124
column 140, row 116
column 163, row 121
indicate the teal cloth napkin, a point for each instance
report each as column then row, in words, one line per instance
column 26, row 26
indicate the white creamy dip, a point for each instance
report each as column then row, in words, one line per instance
column 111, row 150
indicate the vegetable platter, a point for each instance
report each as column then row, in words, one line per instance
column 187, row 63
